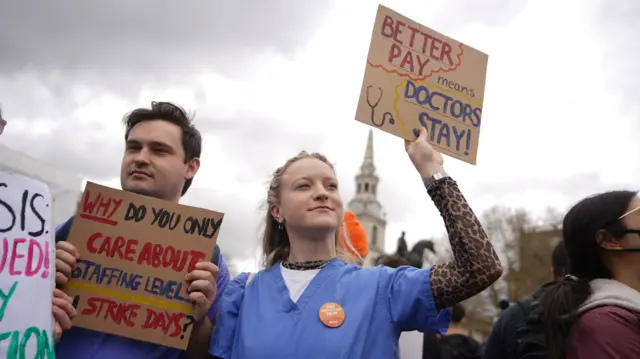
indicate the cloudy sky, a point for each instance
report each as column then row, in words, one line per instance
column 561, row 117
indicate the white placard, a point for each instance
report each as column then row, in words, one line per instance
column 27, row 268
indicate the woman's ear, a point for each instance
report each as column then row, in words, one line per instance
column 605, row 240
column 275, row 212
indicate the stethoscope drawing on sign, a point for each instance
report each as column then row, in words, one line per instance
column 385, row 116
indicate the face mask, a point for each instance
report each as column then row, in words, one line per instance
column 632, row 231
column 623, row 250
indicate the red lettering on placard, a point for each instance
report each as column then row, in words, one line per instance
column 117, row 312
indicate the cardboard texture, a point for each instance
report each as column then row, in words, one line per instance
column 135, row 252
column 415, row 77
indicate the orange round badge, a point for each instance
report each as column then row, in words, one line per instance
column 331, row 314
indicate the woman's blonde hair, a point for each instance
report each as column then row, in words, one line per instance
column 275, row 241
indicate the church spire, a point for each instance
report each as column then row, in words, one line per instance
column 368, row 167
column 365, row 204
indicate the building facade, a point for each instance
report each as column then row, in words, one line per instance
column 534, row 249
column 365, row 204
column 66, row 188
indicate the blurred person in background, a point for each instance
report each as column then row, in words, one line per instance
column 457, row 343
column 503, row 305
column 501, row 343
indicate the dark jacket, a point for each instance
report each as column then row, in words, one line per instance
column 451, row 346
column 502, row 340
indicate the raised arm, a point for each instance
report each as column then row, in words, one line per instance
column 476, row 265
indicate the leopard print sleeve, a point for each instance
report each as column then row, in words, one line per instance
column 476, row 265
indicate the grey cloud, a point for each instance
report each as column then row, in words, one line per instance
column 239, row 234
column 259, row 144
column 149, row 34
column 79, row 147
column 50, row 48
column 617, row 25
column 493, row 13
column 573, row 187
column 256, row 145
column 618, row 28
column 119, row 46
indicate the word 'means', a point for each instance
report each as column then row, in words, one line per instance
column 408, row 48
column 151, row 254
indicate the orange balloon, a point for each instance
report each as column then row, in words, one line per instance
column 356, row 233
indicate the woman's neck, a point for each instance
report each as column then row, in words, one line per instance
column 629, row 279
column 455, row 329
column 627, row 272
column 306, row 248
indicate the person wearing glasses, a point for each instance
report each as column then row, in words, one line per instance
column 594, row 311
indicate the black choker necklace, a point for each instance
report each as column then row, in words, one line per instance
column 309, row 265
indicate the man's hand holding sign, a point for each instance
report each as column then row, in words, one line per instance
column 202, row 288
column 63, row 310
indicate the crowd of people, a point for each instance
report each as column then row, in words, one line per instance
column 314, row 299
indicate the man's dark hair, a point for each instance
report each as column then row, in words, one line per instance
column 166, row 111
column 559, row 260
column 457, row 313
column 391, row 261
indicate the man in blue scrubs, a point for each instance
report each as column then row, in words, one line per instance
column 160, row 160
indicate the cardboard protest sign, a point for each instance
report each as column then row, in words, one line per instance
column 27, row 268
column 135, row 252
column 415, row 77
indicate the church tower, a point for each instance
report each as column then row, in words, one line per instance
column 365, row 204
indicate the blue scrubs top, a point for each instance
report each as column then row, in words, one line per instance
column 262, row 322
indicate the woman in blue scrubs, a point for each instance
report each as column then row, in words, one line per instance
column 310, row 303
